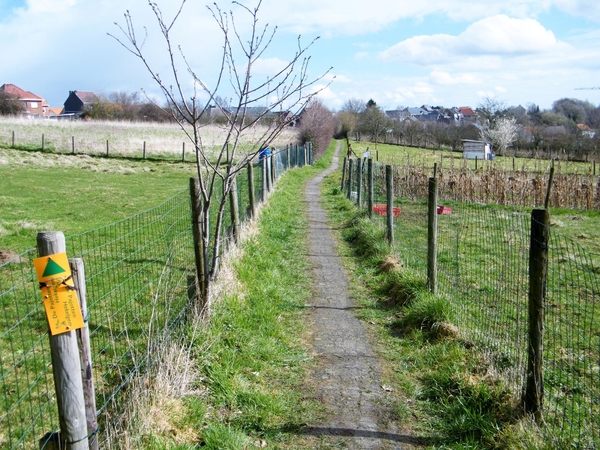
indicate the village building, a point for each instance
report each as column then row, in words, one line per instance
column 34, row 106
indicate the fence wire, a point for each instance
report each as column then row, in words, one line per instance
column 483, row 272
column 139, row 276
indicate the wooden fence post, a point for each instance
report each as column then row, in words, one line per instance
column 251, row 198
column 389, row 184
column 273, row 172
column 359, row 168
column 297, row 156
column 144, row 151
column 73, row 144
column 13, row 139
column 263, row 192
column 350, row 173
column 85, row 353
column 345, row 163
column 183, row 152
column 66, row 365
column 43, row 142
column 288, row 154
column 235, row 210
column 432, row 235
column 370, row 187
column 199, row 251
column 538, row 269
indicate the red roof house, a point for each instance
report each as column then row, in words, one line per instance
column 35, row 106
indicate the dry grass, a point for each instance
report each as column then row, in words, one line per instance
column 124, row 138
column 158, row 406
column 491, row 184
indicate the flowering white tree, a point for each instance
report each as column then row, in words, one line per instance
column 501, row 134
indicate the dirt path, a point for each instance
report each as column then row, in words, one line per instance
column 347, row 378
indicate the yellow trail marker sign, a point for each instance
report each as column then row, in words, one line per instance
column 58, row 291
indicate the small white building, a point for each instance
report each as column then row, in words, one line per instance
column 476, row 150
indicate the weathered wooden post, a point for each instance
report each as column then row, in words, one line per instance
column 235, row 210
column 370, row 187
column 43, row 142
column 273, row 169
column 358, row 182
column 199, row 251
column 432, row 235
column 287, row 153
column 73, row 144
column 350, row 173
column 85, row 353
column 538, row 268
column 144, row 151
column 389, row 184
column 107, row 147
column 66, row 365
column 344, row 164
column 183, row 152
column 251, row 198
column 13, row 139
column 263, row 192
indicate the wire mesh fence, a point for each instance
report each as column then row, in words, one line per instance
column 483, row 272
column 140, row 275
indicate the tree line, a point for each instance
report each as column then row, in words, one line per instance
column 568, row 129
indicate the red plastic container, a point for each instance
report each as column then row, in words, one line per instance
column 444, row 210
column 381, row 209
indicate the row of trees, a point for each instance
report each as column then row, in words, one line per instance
column 565, row 128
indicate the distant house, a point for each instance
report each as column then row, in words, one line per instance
column 467, row 114
column 78, row 101
column 35, row 107
column 586, row 131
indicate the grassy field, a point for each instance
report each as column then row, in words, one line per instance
column 126, row 293
column 125, row 139
column 426, row 158
column 459, row 356
column 75, row 193
column 249, row 364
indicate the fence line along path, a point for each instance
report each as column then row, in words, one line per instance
column 347, row 376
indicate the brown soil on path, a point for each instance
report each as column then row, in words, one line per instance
column 347, row 378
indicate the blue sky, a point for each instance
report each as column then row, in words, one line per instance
column 397, row 52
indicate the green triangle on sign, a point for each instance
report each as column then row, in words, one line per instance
column 52, row 268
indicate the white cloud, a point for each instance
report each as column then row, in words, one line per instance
column 584, row 8
column 48, row 6
column 504, row 35
column 442, row 78
column 497, row 35
column 268, row 66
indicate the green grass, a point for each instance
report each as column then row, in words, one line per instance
column 72, row 194
column 420, row 157
column 455, row 354
column 254, row 368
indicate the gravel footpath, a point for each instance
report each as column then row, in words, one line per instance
column 347, row 378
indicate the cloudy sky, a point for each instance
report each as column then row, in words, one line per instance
column 397, row 52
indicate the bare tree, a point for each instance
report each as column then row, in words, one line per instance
column 288, row 89
column 317, row 125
